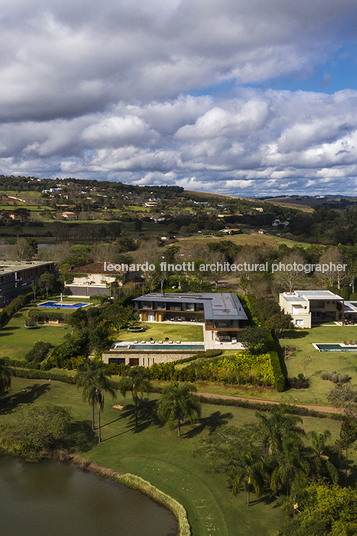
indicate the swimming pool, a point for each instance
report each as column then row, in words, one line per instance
column 61, row 305
column 337, row 347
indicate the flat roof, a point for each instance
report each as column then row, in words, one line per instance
column 217, row 305
column 15, row 266
column 308, row 295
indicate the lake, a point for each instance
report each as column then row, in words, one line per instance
column 59, row 499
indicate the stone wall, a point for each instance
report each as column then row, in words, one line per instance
column 146, row 359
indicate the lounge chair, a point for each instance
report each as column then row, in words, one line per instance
column 160, row 342
column 178, row 342
column 171, row 342
column 142, row 342
column 234, row 341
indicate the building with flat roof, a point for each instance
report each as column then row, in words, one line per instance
column 94, row 279
column 221, row 313
column 311, row 306
column 16, row 277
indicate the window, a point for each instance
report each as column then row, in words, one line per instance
column 299, row 322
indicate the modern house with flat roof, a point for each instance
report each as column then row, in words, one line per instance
column 16, row 277
column 311, row 306
column 94, row 279
column 221, row 313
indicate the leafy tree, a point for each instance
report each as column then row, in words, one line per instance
column 92, row 377
column 47, row 283
column 44, row 427
column 135, row 380
column 324, row 510
column 38, row 352
column 279, row 322
column 344, row 397
column 254, row 339
column 177, row 403
column 34, row 289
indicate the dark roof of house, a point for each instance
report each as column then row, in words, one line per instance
column 217, row 305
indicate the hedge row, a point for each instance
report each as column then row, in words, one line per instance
column 43, row 316
column 280, row 380
column 42, row 375
column 261, row 406
column 135, row 482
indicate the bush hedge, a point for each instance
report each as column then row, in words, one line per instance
column 261, row 406
column 135, row 482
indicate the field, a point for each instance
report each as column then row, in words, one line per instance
column 156, row 454
column 258, row 240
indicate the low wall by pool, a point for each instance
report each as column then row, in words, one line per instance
column 145, row 359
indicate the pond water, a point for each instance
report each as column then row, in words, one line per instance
column 58, row 499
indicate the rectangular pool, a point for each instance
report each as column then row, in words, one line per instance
column 62, row 305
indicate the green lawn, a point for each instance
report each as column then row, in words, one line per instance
column 345, row 362
column 156, row 454
column 159, row 331
column 16, row 340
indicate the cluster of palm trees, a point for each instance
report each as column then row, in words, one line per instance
column 271, row 454
column 177, row 402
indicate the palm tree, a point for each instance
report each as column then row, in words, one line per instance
column 320, row 456
column 275, row 426
column 177, row 403
column 92, row 376
column 290, row 465
column 5, row 375
column 249, row 471
column 137, row 382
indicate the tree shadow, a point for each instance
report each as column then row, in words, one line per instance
column 7, row 330
column 292, row 334
column 147, row 415
column 28, row 395
column 212, row 422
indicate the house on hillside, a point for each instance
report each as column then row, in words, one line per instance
column 222, row 314
column 307, row 307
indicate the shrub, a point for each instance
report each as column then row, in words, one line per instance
column 38, row 352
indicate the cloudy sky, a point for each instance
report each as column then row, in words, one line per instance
column 245, row 97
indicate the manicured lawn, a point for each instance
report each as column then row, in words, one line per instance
column 16, row 340
column 159, row 331
column 345, row 362
column 156, row 454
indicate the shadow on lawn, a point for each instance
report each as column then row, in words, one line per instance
column 8, row 330
column 147, row 415
column 211, row 423
column 11, row 402
column 292, row 334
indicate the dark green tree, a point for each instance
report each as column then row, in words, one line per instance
column 92, row 377
column 135, row 380
column 178, row 403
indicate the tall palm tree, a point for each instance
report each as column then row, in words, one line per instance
column 177, row 403
column 136, row 381
column 249, row 472
column 320, row 455
column 92, row 377
column 290, row 465
column 5, row 375
column 275, row 426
